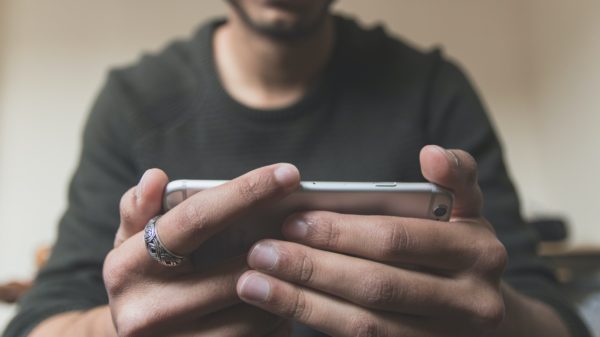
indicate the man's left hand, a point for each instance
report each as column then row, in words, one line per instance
column 355, row 275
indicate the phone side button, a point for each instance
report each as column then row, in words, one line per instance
column 386, row 184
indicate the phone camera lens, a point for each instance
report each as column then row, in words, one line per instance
column 440, row 210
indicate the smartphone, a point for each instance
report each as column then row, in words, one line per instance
column 415, row 200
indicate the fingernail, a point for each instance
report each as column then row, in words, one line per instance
column 454, row 158
column 295, row 229
column 449, row 154
column 439, row 148
column 255, row 288
column 286, row 174
column 264, row 256
column 139, row 189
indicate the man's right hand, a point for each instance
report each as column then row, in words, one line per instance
column 147, row 299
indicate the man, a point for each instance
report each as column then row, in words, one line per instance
column 286, row 81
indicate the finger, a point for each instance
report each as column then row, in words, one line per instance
column 140, row 203
column 366, row 283
column 392, row 240
column 149, row 303
column 457, row 171
column 325, row 313
column 239, row 321
column 183, row 229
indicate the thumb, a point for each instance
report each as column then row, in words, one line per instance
column 455, row 170
column 140, row 204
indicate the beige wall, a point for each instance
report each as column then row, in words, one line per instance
column 55, row 54
column 492, row 40
column 566, row 98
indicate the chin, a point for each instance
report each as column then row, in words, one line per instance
column 277, row 17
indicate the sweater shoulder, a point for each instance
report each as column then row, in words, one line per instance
column 161, row 85
column 393, row 65
column 374, row 49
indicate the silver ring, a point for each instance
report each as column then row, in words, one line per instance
column 155, row 247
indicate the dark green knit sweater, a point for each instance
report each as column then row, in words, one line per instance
column 378, row 102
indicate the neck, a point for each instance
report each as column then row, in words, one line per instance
column 264, row 72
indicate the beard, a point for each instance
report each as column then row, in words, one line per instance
column 304, row 26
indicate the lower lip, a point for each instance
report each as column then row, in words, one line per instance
column 283, row 3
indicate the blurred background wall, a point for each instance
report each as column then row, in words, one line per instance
column 534, row 61
column 565, row 93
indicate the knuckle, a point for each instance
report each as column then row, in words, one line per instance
column 116, row 273
column 366, row 326
column 399, row 241
column 126, row 210
column 138, row 316
column 194, row 218
column 328, row 234
column 492, row 259
column 298, row 309
column 132, row 322
column 489, row 313
column 253, row 187
column 306, row 270
column 498, row 257
column 322, row 229
column 378, row 292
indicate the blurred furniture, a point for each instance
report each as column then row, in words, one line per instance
column 577, row 267
column 11, row 291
